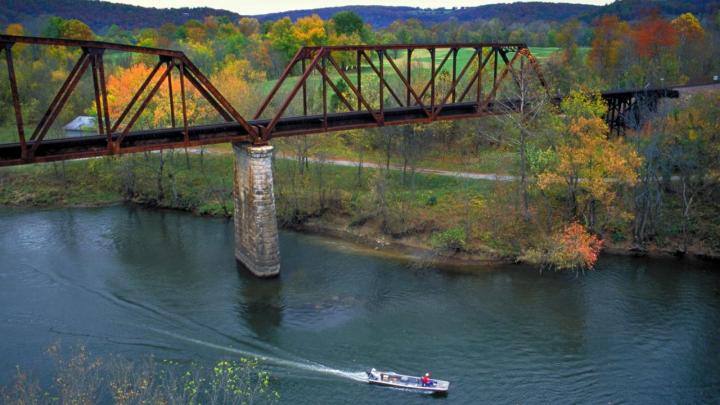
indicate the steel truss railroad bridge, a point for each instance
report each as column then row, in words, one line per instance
column 385, row 90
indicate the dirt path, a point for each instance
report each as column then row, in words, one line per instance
column 438, row 172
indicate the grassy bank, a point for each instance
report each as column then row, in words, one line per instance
column 467, row 219
column 418, row 209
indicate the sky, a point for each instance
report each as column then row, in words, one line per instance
column 246, row 7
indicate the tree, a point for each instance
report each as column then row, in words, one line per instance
column 567, row 40
column 310, row 31
column 282, row 38
column 76, row 29
column 347, row 23
column 688, row 28
column 123, row 84
column 571, row 248
column 53, row 27
column 691, row 147
column 608, row 41
column 692, row 48
column 15, row 29
column 655, row 40
column 525, row 123
column 586, row 163
column 566, row 68
column 238, row 79
column 249, row 26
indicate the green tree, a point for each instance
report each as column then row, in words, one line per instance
column 347, row 23
column 282, row 38
column 76, row 29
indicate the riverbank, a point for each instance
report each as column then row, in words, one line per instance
column 424, row 217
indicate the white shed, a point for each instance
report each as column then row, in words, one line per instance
column 81, row 123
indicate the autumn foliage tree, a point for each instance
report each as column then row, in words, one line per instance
column 239, row 83
column 608, row 43
column 692, row 47
column 123, row 84
column 571, row 248
column 655, row 41
column 586, row 164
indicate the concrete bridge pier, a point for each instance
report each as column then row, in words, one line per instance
column 256, row 231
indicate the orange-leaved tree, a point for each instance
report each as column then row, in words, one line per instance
column 571, row 248
column 656, row 41
column 125, row 82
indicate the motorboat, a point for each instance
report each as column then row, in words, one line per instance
column 392, row 379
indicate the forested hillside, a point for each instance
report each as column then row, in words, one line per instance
column 381, row 17
column 100, row 15
column 635, row 9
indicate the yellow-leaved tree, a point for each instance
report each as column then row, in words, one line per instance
column 588, row 166
column 239, row 83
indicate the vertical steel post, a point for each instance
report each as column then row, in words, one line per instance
column 495, row 57
column 359, row 78
column 478, row 51
column 432, row 78
column 324, row 93
column 382, row 86
column 409, row 76
column 104, row 94
column 16, row 99
column 171, row 66
column 96, row 87
column 454, row 72
column 186, row 135
column 304, row 87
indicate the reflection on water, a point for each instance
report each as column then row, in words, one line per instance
column 138, row 282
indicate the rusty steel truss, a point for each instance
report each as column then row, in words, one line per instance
column 414, row 102
column 384, row 90
column 112, row 137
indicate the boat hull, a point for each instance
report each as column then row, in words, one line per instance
column 394, row 380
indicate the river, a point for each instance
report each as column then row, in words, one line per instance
column 137, row 282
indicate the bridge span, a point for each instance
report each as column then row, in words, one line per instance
column 359, row 87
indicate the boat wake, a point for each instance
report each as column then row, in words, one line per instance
column 300, row 365
column 157, row 313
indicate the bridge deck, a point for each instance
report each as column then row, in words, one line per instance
column 96, row 145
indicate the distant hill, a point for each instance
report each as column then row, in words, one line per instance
column 636, row 9
column 99, row 15
column 382, row 16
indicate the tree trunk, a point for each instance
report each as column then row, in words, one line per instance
column 387, row 154
column 161, row 167
column 523, row 176
column 360, row 167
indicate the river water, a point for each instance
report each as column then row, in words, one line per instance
column 134, row 282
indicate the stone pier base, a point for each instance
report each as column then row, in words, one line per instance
column 256, row 232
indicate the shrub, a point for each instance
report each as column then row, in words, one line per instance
column 452, row 239
column 572, row 248
column 83, row 379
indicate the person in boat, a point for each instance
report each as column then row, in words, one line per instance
column 426, row 380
